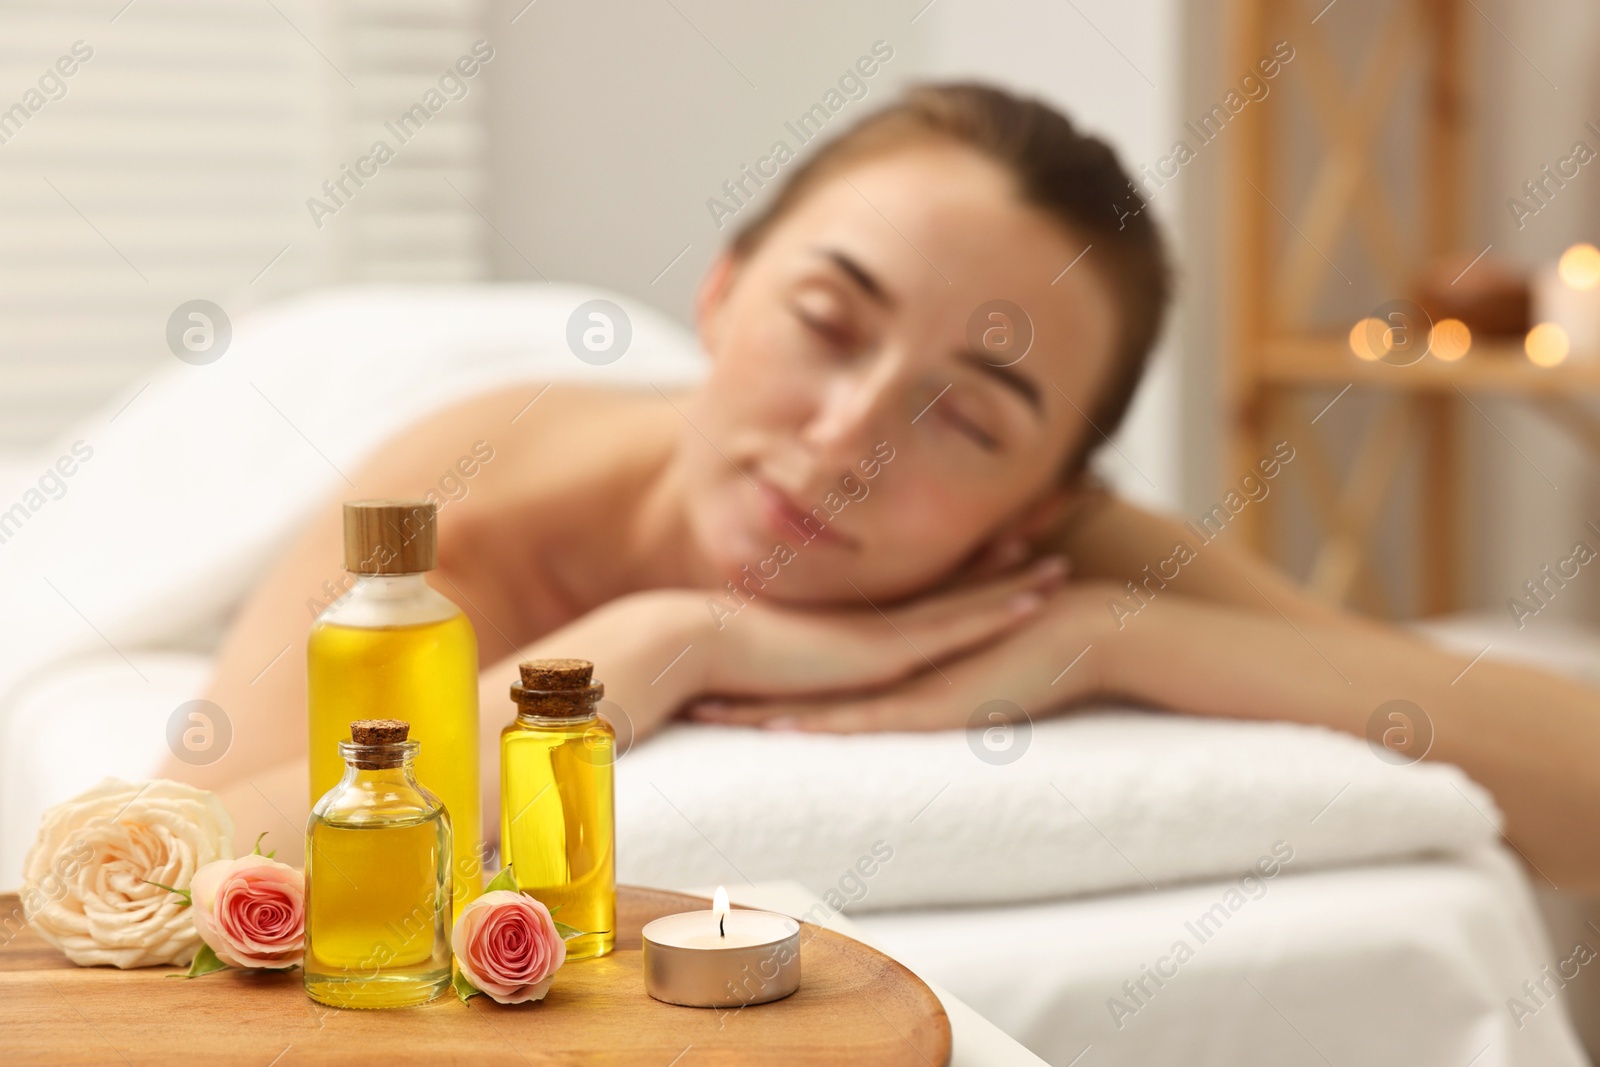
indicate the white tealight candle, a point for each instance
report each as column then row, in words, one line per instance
column 1567, row 294
column 721, row 958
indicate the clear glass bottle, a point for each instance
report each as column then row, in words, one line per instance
column 557, row 823
column 393, row 646
column 378, row 911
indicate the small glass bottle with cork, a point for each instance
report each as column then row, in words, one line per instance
column 557, row 828
column 378, row 886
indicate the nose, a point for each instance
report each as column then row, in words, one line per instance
column 853, row 414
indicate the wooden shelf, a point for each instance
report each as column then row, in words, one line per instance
column 1490, row 367
column 1373, row 153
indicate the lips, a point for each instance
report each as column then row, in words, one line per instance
column 785, row 516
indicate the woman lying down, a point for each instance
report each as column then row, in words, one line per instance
column 866, row 520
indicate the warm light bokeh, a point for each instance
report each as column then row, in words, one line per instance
column 1369, row 339
column 1580, row 266
column 1546, row 344
column 1450, row 339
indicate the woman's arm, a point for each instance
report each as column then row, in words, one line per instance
column 1111, row 540
column 1532, row 739
column 1229, row 636
column 1239, row 639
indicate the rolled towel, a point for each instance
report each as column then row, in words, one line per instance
column 1109, row 801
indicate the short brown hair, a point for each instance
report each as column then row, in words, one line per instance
column 1070, row 175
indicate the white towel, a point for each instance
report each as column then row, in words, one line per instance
column 1097, row 802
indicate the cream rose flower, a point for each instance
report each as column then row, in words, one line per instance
column 86, row 882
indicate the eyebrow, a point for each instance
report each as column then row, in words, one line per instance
column 858, row 274
column 1020, row 384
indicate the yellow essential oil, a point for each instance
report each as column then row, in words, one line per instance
column 377, row 874
column 557, row 827
column 396, row 647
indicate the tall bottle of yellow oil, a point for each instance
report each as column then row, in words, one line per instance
column 557, row 828
column 394, row 648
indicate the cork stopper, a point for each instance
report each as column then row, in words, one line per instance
column 390, row 536
column 378, row 743
column 556, row 673
column 379, row 731
column 557, row 688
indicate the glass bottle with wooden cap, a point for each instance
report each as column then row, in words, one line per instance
column 377, row 879
column 395, row 647
column 557, row 830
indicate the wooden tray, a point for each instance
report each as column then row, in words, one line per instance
column 855, row 1006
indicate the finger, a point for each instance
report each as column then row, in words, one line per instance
column 724, row 713
column 812, row 716
column 1044, row 575
column 900, row 713
column 947, row 625
column 995, row 559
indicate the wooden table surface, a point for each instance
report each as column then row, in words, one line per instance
column 855, row 1006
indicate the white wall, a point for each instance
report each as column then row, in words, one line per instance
column 615, row 121
column 1115, row 69
column 1533, row 105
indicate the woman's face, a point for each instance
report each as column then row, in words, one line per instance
column 870, row 420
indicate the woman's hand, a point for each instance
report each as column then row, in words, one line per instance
column 1054, row 659
column 658, row 650
column 770, row 650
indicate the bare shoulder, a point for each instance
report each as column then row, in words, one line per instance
column 504, row 441
column 520, row 475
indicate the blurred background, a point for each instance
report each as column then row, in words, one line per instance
column 1381, row 246
column 186, row 157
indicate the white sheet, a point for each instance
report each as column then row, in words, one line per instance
column 975, row 1041
column 1407, row 965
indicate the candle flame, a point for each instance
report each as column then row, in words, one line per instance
column 1579, row 267
column 719, row 908
column 1547, row 344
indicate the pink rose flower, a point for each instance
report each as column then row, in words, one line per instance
column 251, row 911
column 508, row 947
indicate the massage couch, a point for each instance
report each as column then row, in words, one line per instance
column 1114, row 887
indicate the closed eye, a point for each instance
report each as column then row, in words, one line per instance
column 979, row 436
column 830, row 330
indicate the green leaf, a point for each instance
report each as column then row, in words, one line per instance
column 205, row 962
column 503, row 880
column 464, row 989
column 188, row 898
column 569, row 932
column 257, row 850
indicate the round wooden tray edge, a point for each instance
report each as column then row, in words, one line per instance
column 671, row 902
